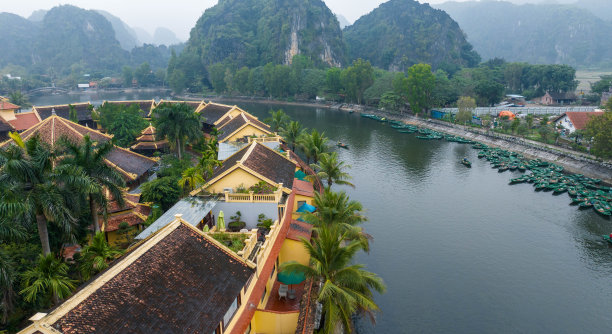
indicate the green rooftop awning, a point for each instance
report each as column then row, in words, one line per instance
column 300, row 175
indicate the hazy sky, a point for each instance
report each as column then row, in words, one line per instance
column 179, row 15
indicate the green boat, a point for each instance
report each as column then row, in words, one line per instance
column 599, row 208
column 540, row 186
column 502, row 169
column 559, row 190
column 607, row 238
column 585, row 204
column 466, row 162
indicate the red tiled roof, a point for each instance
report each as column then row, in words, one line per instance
column 5, row 105
column 130, row 217
column 24, row 121
column 299, row 229
column 580, row 119
column 303, row 188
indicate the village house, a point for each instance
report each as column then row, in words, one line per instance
column 13, row 120
column 83, row 111
column 558, row 98
column 573, row 120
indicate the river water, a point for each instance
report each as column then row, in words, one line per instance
column 460, row 250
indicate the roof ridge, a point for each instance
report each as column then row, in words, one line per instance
column 248, row 153
column 72, row 124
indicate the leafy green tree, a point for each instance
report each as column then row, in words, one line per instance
column 124, row 122
column 16, row 97
column 489, row 91
column 347, row 288
column 356, row 79
column 48, row 278
column 96, row 256
column 7, row 281
column 335, row 208
column 516, row 122
column 332, row 170
column 421, row 83
column 390, row 101
column 466, row 106
column 144, row 75
column 333, row 81
column 241, row 80
column 127, row 74
column 545, row 131
column 178, row 123
column 191, row 178
column 529, row 120
column 90, row 157
column 599, row 129
column 278, row 120
column 292, row 134
column 33, row 190
column 72, row 115
column 164, row 191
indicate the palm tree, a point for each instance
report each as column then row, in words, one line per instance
column 191, row 178
column 178, row 123
column 346, row 288
column 335, row 208
column 314, row 144
column 97, row 255
column 31, row 190
column 207, row 164
column 292, row 134
column 330, row 169
column 49, row 277
column 7, row 280
column 277, row 120
column 90, row 158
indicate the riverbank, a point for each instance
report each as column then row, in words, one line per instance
column 572, row 161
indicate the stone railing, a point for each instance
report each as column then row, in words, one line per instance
column 251, row 197
column 265, row 139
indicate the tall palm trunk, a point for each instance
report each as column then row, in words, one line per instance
column 178, row 148
column 41, row 221
column 93, row 207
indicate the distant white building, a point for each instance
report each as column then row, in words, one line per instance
column 575, row 120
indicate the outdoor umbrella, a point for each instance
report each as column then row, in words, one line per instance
column 300, row 175
column 306, row 208
column 221, row 221
column 289, row 278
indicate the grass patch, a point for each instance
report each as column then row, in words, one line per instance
column 235, row 242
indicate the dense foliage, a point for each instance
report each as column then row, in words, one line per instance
column 540, row 34
column 599, row 128
column 401, row 33
column 124, row 122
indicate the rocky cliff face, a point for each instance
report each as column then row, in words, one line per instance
column 255, row 32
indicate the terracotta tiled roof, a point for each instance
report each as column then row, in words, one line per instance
column 215, row 111
column 298, row 230
column 262, row 160
column 130, row 164
column 6, row 105
column 303, row 188
column 63, row 110
column 176, row 281
column 145, row 105
column 24, row 121
column 580, row 119
column 147, row 141
column 131, row 218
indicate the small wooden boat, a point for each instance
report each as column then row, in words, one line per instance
column 559, row 190
column 345, row 146
column 466, row 162
column 599, row 208
column 607, row 238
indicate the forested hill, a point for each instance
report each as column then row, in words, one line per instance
column 400, row 33
column 255, row 32
column 541, row 34
column 16, row 39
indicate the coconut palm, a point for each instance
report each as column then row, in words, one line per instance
column 178, row 123
column 49, row 277
column 7, row 280
column 347, row 288
column 277, row 120
column 207, row 164
column 190, row 179
column 335, row 208
column 332, row 170
column 292, row 134
column 97, row 255
column 32, row 190
column 90, row 157
column 314, row 144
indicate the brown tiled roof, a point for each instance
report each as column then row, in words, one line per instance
column 303, row 188
column 144, row 146
column 6, row 105
column 5, row 126
column 237, row 122
column 63, row 110
column 130, row 164
column 24, row 121
column 177, row 281
column 131, row 218
column 580, row 119
column 267, row 162
column 214, row 111
column 262, row 160
column 145, row 105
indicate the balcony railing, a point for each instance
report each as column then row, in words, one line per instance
column 251, row 197
column 265, row 139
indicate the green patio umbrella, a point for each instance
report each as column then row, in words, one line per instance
column 290, row 278
column 221, row 221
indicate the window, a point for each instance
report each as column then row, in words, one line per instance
column 230, row 312
column 264, row 294
column 273, row 270
column 300, row 203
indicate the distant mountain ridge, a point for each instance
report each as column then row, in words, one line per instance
column 400, row 33
column 534, row 33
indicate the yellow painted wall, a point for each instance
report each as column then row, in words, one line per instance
column 233, row 180
column 293, row 250
column 8, row 114
column 299, row 198
column 114, row 238
column 274, row 323
column 248, row 130
column 269, row 286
